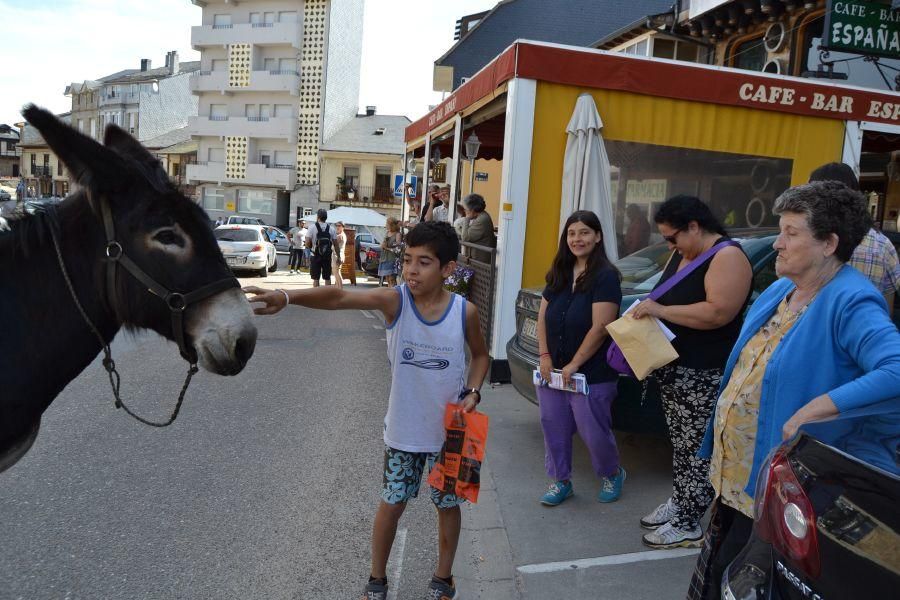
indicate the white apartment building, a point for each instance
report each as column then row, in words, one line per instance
column 276, row 78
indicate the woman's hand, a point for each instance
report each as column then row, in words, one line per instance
column 820, row 408
column 546, row 366
column 647, row 308
column 274, row 300
column 567, row 372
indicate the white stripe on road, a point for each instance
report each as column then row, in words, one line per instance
column 376, row 326
column 395, row 564
column 367, row 314
column 604, row 561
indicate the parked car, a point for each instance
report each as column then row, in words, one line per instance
column 367, row 242
column 826, row 527
column 247, row 248
column 238, row 220
column 638, row 407
column 279, row 239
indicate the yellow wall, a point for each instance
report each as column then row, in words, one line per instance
column 808, row 141
column 489, row 189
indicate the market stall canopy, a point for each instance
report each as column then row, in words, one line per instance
column 585, row 181
column 351, row 215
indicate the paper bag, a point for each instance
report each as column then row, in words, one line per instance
column 643, row 343
column 457, row 469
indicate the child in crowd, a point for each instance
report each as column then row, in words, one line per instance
column 427, row 330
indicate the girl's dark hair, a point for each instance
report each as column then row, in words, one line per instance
column 679, row 211
column 560, row 273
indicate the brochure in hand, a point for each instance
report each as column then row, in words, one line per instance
column 577, row 383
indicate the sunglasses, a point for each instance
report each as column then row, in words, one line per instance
column 672, row 238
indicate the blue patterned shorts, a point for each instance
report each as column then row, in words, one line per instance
column 403, row 477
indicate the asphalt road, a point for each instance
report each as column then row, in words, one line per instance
column 265, row 487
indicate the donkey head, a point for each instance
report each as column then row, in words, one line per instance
column 165, row 234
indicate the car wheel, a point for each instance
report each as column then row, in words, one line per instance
column 263, row 272
column 274, row 265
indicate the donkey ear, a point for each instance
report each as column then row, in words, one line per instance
column 92, row 165
column 122, row 143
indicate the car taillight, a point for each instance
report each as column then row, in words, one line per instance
column 786, row 518
column 256, row 248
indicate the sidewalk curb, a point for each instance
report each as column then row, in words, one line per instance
column 483, row 566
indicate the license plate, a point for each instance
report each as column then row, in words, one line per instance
column 235, row 260
column 529, row 328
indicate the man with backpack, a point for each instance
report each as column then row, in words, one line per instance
column 321, row 240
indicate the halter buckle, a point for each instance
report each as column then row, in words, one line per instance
column 114, row 250
column 176, row 302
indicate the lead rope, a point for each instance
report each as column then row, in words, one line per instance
column 115, row 380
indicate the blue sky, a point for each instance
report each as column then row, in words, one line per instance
column 51, row 43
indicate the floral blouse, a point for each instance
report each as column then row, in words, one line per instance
column 737, row 412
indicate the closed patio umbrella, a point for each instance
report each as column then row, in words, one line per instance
column 585, row 182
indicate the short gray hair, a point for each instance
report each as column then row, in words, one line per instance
column 475, row 202
column 829, row 207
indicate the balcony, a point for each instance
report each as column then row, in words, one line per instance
column 260, row 81
column 281, row 176
column 366, row 196
column 260, row 34
column 119, row 99
column 15, row 153
column 206, row 171
column 41, row 171
column 255, row 127
column 257, row 174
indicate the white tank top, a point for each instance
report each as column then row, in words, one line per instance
column 428, row 369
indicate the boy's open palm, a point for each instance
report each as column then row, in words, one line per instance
column 274, row 300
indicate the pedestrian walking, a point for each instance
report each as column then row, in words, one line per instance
column 391, row 248
column 426, row 326
column 816, row 343
column 340, row 245
column 582, row 297
column 20, row 191
column 704, row 311
column 320, row 240
column 297, row 236
column 875, row 256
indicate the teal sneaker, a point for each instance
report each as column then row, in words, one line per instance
column 611, row 487
column 557, row 493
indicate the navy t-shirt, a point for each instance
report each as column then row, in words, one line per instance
column 569, row 318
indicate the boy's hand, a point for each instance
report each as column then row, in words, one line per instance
column 274, row 300
column 469, row 403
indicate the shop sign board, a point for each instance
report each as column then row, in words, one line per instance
column 862, row 27
column 646, row 191
column 481, row 176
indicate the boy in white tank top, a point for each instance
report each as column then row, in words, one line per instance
column 427, row 330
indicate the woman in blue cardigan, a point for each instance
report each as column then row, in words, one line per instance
column 817, row 343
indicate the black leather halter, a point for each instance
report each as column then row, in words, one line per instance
column 177, row 303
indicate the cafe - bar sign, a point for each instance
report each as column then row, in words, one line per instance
column 862, row 28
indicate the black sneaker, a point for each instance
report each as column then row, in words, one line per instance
column 438, row 589
column 374, row 590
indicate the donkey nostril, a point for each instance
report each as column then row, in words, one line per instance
column 244, row 347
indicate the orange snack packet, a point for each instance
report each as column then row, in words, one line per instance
column 458, row 468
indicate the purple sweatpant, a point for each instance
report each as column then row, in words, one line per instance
column 564, row 413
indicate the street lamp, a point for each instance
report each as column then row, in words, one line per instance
column 472, row 146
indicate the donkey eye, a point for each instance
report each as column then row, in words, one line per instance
column 169, row 238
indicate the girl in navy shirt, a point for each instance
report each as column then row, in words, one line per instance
column 581, row 298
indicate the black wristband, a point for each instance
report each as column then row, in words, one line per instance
column 468, row 391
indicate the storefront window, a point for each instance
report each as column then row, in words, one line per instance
column 858, row 71
column 750, row 55
column 259, row 202
column 740, row 189
column 213, row 198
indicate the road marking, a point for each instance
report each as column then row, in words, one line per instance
column 376, row 326
column 605, row 561
column 367, row 314
column 395, row 564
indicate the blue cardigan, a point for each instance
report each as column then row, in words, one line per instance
column 844, row 345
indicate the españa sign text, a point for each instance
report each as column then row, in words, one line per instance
column 862, row 27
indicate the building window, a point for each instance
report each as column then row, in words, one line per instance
column 351, row 176
column 213, row 198
column 260, row 202
column 750, row 55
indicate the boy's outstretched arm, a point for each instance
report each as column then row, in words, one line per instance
column 481, row 360
column 386, row 300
